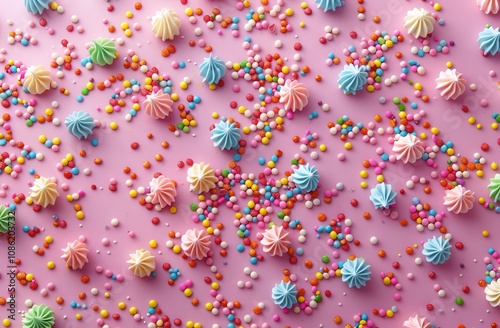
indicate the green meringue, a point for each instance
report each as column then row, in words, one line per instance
column 5, row 215
column 494, row 188
column 103, row 51
column 39, row 316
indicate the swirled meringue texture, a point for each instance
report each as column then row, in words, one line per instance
column 80, row 124
column 158, row 105
column 489, row 6
column 408, row 148
column 492, row 291
column 212, row 69
column 36, row 79
column 450, row 84
column 163, row 191
column 201, row 177
column 459, row 200
column 284, row 294
column 5, row 218
column 44, row 192
column 142, row 263
column 103, row 51
column 225, row 135
column 306, row 177
column 294, row 95
column 419, row 22
column 355, row 273
column 196, row 243
column 75, row 255
column 382, row 196
column 417, row 322
column 329, row 4
column 166, row 24
column 494, row 187
column 489, row 40
column 352, row 78
column 275, row 241
column 36, row 6
column 39, row 316
column 437, row 250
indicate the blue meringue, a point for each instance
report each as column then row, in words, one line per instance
column 36, row 6
column 284, row 294
column 225, row 135
column 329, row 4
column 352, row 78
column 212, row 69
column 437, row 250
column 489, row 40
column 382, row 196
column 80, row 124
column 306, row 177
column 355, row 272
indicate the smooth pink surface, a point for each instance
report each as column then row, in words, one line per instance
column 110, row 245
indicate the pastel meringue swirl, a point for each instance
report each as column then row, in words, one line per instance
column 75, row 255
column 306, row 177
column 39, row 316
column 284, row 294
column 158, row 104
column 419, row 22
column 80, row 124
column 489, row 40
column 142, row 263
column 352, row 78
column 382, row 196
column 355, row 273
column 163, row 191
column 225, row 135
column 44, row 192
column 196, row 243
column 489, row 6
column 494, row 187
column 450, row 84
column 294, row 95
column 417, row 322
column 459, row 200
column 329, row 4
column 408, row 148
column 5, row 217
column 36, row 6
column 36, row 79
column 166, row 24
column 201, row 177
column 492, row 291
column 437, row 250
column 212, row 69
column 103, row 51
column 275, row 241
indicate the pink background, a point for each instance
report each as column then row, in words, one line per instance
column 463, row 23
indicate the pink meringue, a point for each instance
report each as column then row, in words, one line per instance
column 275, row 241
column 408, row 149
column 417, row 322
column 196, row 243
column 75, row 255
column 459, row 200
column 489, row 6
column 450, row 84
column 294, row 95
column 158, row 104
column 163, row 191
